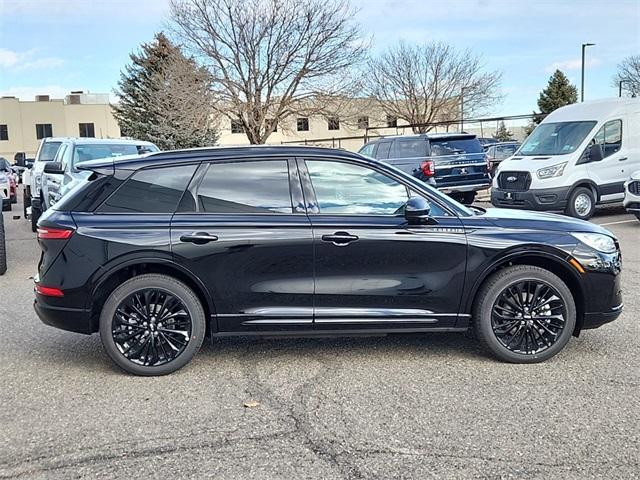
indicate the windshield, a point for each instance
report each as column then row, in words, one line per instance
column 95, row 151
column 48, row 151
column 455, row 146
column 556, row 138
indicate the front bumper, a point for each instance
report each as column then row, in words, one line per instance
column 544, row 199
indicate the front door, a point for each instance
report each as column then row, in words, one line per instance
column 238, row 231
column 372, row 269
column 611, row 172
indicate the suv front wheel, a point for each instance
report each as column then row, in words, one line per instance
column 152, row 325
column 524, row 314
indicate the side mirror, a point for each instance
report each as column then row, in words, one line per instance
column 418, row 211
column 20, row 162
column 54, row 168
column 595, row 153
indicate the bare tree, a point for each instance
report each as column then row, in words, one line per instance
column 426, row 83
column 628, row 75
column 271, row 59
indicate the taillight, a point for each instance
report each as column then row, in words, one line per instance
column 49, row 291
column 47, row 233
column 428, row 168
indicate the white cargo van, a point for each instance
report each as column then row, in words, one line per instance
column 578, row 157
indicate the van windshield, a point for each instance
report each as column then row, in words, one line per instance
column 556, row 138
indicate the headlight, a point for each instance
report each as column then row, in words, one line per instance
column 597, row 241
column 38, row 179
column 552, row 171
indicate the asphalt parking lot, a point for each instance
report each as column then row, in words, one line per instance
column 366, row 407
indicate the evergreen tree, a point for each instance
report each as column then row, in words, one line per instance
column 165, row 98
column 559, row 92
column 502, row 133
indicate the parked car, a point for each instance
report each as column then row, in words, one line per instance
column 34, row 201
column 486, row 142
column 454, row 163
column 578, row 157
column 61, row 174
column 499, row 152
column 5, row 191
column 155, row 251
column 3, row 247
column 6, row 168
column 632, row 194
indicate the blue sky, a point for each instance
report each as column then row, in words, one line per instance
column 54, row 46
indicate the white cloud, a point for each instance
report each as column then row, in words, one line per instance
column 572, row 64
column 29, row 93
column 27, row 60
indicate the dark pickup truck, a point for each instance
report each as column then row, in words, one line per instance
column 454, row 163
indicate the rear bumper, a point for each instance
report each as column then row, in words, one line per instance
column 474, row 187
column 543, row 199
column 70, row 319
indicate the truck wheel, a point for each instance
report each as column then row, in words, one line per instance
column 6, row 205
column 581, row 204
column 3, row 248
column 25, row 203
column 467, row 198
column 35, row 216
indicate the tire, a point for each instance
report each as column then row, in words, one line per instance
column 168, row 286
column 468, row 198
column 6, row 205
column 3, row 248
column 637, row 214
column 25, row 203
column 581, row 203
column 545, row 334
column 35, row 216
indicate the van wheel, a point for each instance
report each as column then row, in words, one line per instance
column 581, row 203
column 35, row 216
column 524, row 314
column 152, row 325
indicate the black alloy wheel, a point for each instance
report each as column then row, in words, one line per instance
column 152, row 324
column 524, row 314
column 151, row 327
column 528, row 317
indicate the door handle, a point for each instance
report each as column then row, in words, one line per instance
column 622, row 159
column 199, row 238
column 340, row 239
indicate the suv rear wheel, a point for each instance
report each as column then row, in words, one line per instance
column 3, row 248
column 524, row 314
column 152, row 325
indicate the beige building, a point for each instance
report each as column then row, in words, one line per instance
column 24, row 123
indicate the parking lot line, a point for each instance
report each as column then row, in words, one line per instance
column 616, row 223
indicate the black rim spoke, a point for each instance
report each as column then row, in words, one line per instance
column 528, row 317
column 151, row 327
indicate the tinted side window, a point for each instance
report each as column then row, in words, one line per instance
column 383, row 150
column 410, row 148
column 156, row 190
column 246, row 187
column 342, row 188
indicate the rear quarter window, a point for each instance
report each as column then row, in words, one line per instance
column 155, row 190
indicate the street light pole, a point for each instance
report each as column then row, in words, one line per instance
column 584, row 46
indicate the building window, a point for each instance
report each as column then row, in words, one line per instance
column 43, row 130
column 363, row 122
column 303, row 124
column 236, row 126
column 271, row 122
column 4, row 132
column 87, row 130
column 333, row 123
column 392, row 121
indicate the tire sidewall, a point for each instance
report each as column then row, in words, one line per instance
column 496, row 288
column 170, row 285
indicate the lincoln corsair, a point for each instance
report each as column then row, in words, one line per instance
column 157, row 251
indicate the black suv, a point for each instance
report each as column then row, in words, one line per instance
column 454, row 163
column 156, row 251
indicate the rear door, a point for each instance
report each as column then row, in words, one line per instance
column 614, row 169
column 242, row 229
